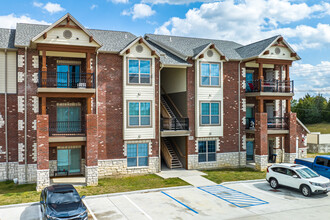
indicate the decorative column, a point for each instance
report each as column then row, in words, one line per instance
column 42, row 152
column 91, row 168
column 88, row 71
column 261, row 77
column 261, row 139
column 44, row 69
column 290, row 139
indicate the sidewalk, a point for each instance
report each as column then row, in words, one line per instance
column 193, row 177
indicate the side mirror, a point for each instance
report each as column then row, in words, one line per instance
column 83, row 197
column 42, row 202
column 295, row 176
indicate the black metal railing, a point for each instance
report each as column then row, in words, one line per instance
column 66, row 80
column 174, row 124
column 73, row 128
column 250, row 123
column 282, row 86
column 278, row 123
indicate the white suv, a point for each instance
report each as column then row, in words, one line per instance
column 298, row 177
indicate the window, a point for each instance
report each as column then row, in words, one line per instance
column 210, row 113
column 321, row 161
column 206, row 151
column 137, row 155
column 139, row 71
column 139, row 114
column 210, row 74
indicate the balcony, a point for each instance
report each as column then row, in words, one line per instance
column 277, row 123
column 174, row 127
column 269, row 87
column 67, row 128
column 66, row 80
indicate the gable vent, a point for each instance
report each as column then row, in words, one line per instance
column 67, row 34
column 210, row 53
column 139, row 48
column 277, row 50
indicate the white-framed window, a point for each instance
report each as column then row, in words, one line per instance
column 206, row 151
column 139, row 113
column 210, row 113
column 137, row 155
column 210, row 74
column 139, row 71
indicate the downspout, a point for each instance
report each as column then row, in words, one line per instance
column 239, row 113
column 159, row 117
column 96, row 82
column 25, row 113
column 6, row 116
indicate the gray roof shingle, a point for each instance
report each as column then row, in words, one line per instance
column 112, row 41
column 7, row 37
column 254, row 49
column 190, row 47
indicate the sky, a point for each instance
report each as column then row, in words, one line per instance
column 305, row 25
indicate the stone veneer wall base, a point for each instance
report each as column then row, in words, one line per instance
column 91, row 175
column 261, row 162
column 289, row 157
column 43, row 179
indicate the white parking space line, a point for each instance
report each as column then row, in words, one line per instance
column 89, row 209
column 148, row 216
column 39, row 212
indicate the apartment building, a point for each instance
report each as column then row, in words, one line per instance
column 98, row 103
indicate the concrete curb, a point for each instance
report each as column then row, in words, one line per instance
column 243, row 181
column 19, row 205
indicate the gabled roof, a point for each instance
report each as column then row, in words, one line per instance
column 68, row 15
column 203, row 48
column 112, row 41
column 190, row 47
column 134, row 42
column 255, row 49
column 258, row 48
column 167, row 58
column 7, row 37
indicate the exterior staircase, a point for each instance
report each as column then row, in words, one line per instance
column 170, row 156
column 175, row 122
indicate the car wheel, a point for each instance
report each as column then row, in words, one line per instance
column 273, row 183
column 305, row 190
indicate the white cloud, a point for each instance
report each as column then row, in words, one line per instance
column 139, row 11
column 119, row 1
column 50, row 7
column 250, row 20
column 311, row 79
column 53, row 7
column 9, row 21
column 38, row 4
column 94, row 6
column 176, row 2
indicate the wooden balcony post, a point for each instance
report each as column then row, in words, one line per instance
column 44, row 69
column 261, row 77
column 288, row 105
column 261, row 105
column 43, row 105
column 89, row 105
column 287, row 78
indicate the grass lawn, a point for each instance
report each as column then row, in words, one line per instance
column 324, row 127
column 313, row 155
column 13, row 194
column 226, row 175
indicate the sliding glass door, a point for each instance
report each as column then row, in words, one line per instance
column 68, row 76
column 68, row 119
column 68, row 160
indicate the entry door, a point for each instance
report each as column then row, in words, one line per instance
column 270, row 110
column 68, row 160
column 68, row 76
column 249, row 150
column 249, row 117
column 249, row 82
column 271, row 144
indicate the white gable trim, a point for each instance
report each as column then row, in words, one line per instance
column 208, row 47
column 286, row 44
column 59, row 21
column 123, row 51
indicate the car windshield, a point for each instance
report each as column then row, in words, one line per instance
column 307, row 173
column 63, row 197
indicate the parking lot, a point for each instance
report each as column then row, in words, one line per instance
column 248, row 200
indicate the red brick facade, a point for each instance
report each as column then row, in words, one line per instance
column 43, row 142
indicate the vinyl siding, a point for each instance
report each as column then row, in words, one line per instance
column 11, row 72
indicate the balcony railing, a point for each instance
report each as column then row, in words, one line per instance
column 67, row 128
column 174, row 124
column 277, row 123
column 66, row 80
column 281, row 86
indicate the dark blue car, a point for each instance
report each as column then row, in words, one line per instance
column 62, row 202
